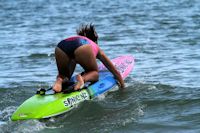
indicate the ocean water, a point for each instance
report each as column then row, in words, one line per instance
column 162, row 93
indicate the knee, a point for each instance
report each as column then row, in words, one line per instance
column 97, row 75
column 94, row 75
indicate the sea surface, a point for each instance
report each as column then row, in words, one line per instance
column 162, row 93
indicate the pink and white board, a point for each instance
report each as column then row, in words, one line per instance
column 124, row 65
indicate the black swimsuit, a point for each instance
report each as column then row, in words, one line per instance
column 69, row 45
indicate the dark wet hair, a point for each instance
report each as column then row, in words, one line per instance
column 88, row 31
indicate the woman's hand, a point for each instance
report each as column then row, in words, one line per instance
column 120, row 81
column 121, row 84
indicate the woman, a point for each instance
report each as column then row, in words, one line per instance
column 81, row 49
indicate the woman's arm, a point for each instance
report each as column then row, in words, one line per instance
column 109, row 65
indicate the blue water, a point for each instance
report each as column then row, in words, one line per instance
column 162, row 92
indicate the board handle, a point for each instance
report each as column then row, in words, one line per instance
column 42, row 91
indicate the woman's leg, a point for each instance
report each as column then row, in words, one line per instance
column 85, row 57
column 65, row 67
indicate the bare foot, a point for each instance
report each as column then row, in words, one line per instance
column 80, row 83
column 58, row 85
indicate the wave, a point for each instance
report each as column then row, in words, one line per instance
column 117, row 109
column 39, row 55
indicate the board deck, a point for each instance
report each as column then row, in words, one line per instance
column 44, row 106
